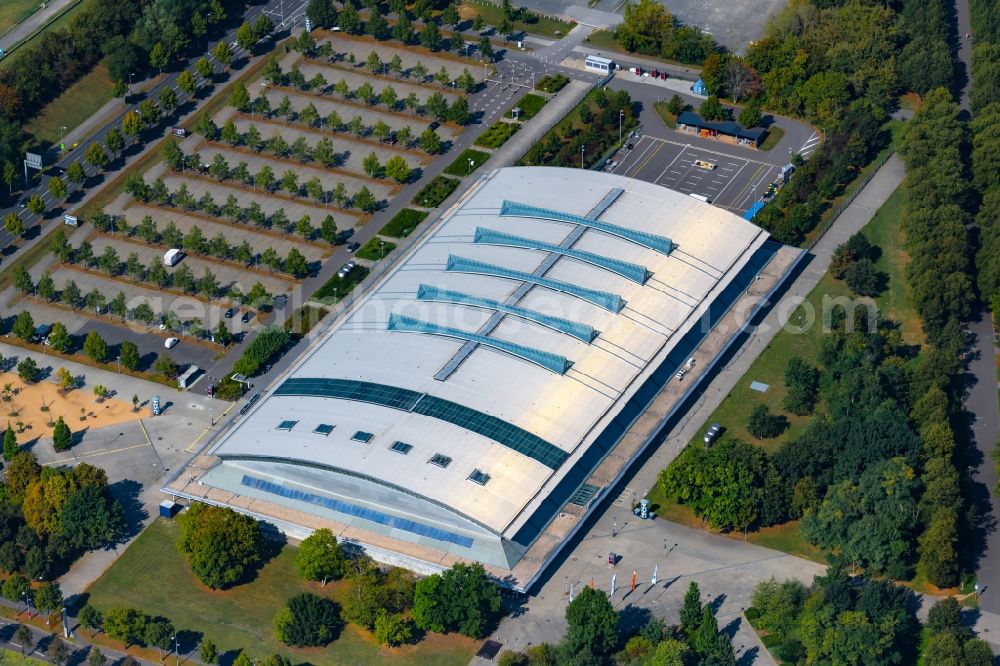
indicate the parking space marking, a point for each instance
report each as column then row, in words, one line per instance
column 731, row 180
column 99, row 452
column 646, row 161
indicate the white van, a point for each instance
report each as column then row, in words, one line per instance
column 172, row 257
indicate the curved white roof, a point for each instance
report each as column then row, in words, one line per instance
column 533, row 419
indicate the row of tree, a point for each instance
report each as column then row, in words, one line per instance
column 594, row 636
column 985, row 127
column 323, row 153
column 265, row 179
column 860, row 621
column 435, row 106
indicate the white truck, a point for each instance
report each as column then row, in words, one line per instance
column 172, row 256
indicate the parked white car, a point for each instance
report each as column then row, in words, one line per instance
column 170, row 343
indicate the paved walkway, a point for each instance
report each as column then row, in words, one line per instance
column 726, row 569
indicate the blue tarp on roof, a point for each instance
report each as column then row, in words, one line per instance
column 724, row 127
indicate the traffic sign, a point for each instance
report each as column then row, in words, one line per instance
column 33, row 160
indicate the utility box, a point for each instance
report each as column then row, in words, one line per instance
column 169, row 508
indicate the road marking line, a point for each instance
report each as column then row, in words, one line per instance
column 734, row 178
column 94, row 455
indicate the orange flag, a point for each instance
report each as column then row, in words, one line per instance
column 633, row 580
column 593, row 585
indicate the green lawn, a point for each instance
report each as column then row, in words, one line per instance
column 13, row 12
column 774, row 136
column 886, row 232
column 545, row 26
column 336, row 287
column 80, row 101
column 10, row 658
column 530, row 105
column 605, row 39
column 154, row 577
column 402, row 223
column 663, row 111
column 468, row 161
column 375, row 249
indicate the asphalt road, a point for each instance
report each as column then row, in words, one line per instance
column 294, row 12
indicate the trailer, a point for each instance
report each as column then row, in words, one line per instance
column 599, row 64
column 172, row 257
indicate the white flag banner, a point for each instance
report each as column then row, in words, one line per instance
column 614, row 579
column 655, row 570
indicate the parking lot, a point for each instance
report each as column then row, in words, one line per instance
column 734, row 184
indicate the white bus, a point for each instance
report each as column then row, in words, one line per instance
column 599, row 64
column 699, row 197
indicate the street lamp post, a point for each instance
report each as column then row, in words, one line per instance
column 621, row 114
column 62, row 139
column 381, row 247
column 581, row 156
column 614, row 527
column 176, row 655
column 119, row 361
column 470, row 166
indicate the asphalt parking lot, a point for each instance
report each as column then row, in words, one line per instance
column 734, row 184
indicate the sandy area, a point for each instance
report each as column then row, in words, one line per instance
column 27, row 400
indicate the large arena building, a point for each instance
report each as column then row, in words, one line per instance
column 478, row 399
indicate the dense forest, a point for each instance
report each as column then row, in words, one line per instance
column 131, row 37
column 874, row 478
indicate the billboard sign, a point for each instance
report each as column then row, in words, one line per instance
column 33, row 160
column 178, row 131
column 71, row 220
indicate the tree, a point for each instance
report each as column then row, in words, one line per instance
column 24, row 325
column 371, row 165
column 149, row 112
column 458, row 112
column 167, row 99
column 65, row 379
column 711, row 109
column 592, row 623
column 320, row 557
column 430, row 142
column 90, row 618
column 91, row 518
column 76, row 174
column 13, row 224
column 204, row 68
column 48, row 597
column 763, row 424
column 95, row 156
column 802, row 383
column 96, row 658
column 223, row 53
column 780, row 604
column 165, row 366
column 187, row 82
column 691, row 610
column 36, row 205
column 486, row 47
column 95, row 347
column 392, row 629
column 28, row 370
column 221, row 545
column 159, row 632
column 62, row 438
column 397, row 169
column 365, row 200
column 328, row 230
column 430, row 36
column 124, row 624
column 749, row 116
column 57, row 188
column 460, row 599
column 24, row 637
column 208, row 652
column 119, row 90
column 863, row 278
column 307, row 620
column 240, row 98
column 296, row 264
column 937, row 547
column 10, row 447
column 59, row 338
column 22, row 279
column 131, row 127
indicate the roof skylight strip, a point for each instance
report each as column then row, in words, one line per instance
column 580, row 331
column 646, row 239
column 633, row 272
column 611, row 302
column 554, row 362
column 394, row 397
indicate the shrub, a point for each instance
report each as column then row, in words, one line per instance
column 530, row 105
column 765, row 425
column 497, row 134
column 434, row 192
column 268, row 342
column 308, row 620
column 467, row 162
